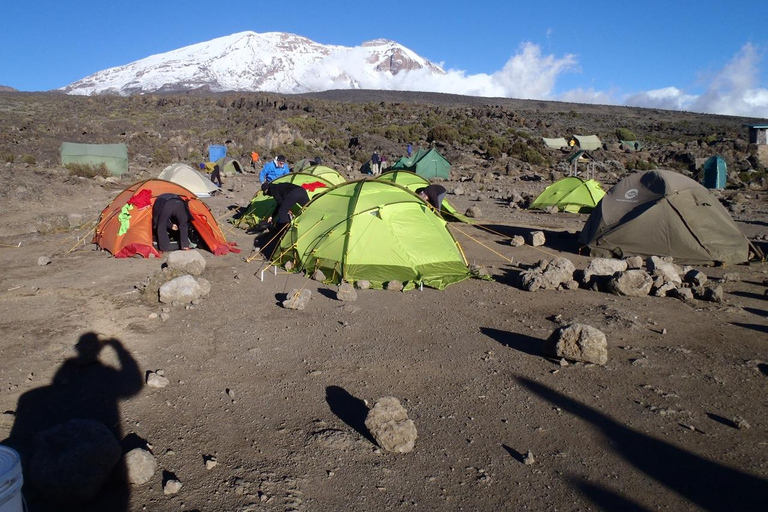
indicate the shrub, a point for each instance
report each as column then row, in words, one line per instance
column 443, row 133
column 87, row 170
column 625, row 134
column 28, row 159
column 9, row 158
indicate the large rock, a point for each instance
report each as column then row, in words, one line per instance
column 297, row 299
column 603, row 267
column 390, row 426
column 548, row 276
column 140, row 466
column 346, row 292
column 181, row 290
column 632, row 283
column 658, row 267
column 536, row 238
column 191, row 262
column 578, row 342
column 71, row 462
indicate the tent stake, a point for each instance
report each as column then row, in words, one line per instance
column 261, row 276
column 275, row 271
column 421, row 286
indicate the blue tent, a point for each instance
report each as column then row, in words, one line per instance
column 216, row 152
column 715, row 172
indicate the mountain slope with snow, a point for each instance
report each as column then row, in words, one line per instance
column 269, row 62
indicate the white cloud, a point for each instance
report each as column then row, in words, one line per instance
column 668, row 98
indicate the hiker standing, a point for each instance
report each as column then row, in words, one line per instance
column 409, row 149
column 170, row 213
column 433, row 194
column 216, row 176
column 254, row 159
column 286, row 196
column 375, row 161
column 274, row 169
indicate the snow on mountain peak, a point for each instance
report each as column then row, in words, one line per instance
column 248, row 61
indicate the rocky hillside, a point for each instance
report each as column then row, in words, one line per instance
column 478, row 135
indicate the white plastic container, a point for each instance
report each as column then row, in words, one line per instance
column 10, row 481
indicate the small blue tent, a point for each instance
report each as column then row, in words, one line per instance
column 216, row 152
column 715, row 172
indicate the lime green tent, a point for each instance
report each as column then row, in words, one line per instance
column 413, row 182
column 229, row 166
column 572, row 194
column 326, row 173
column 113, row 156
column 426, row 163
column 262, row 205
column 375, row 231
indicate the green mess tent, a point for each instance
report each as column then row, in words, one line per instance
column 413, row 182
column 375, row 231
column 262, row 206
column 663, row 213
column 113, row 156
column 572, row 194
column 426, row 163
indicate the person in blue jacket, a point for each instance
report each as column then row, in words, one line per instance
column 274, row 169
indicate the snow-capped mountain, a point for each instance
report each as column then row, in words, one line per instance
column 270, row 62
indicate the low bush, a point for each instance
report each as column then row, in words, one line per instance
column 87, row 170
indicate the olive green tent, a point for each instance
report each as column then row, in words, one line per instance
column 113, row 156
column 663, row 213
column 413, row 182
column 262, row 206
column 229, row 166
column 426, row 163
column 374, row 231
column 572, row 194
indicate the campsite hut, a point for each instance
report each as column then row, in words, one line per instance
column 125, row 225
column 715, row 172
column 663, row 213
column 571, row 194
column 113, row 156
column 375, row 231
column 758, row 142
column 327, row 173
column 216, row 152
column 426, row 163
column 582, row 157
column 262, row 206
column 413, row 182
column 194, row 181
column 229, row 166
column 588, row 142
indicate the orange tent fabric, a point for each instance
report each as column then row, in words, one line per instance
column 137, row 238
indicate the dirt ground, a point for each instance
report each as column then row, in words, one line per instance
column 676, row 420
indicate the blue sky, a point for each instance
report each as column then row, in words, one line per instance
column 705, row 56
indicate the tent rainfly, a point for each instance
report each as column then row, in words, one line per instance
column 189, row 178
column 113, row 156
column 229, row 166
column 572, row 194
column 375, row 231
column 663, row 213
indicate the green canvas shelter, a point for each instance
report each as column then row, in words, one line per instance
column 229, row 166
column 663, row 213
column 375, row 231
column 588, row 142
column 715, row 172
column 413, row 182
column 572, row 194
column 113, row 156
column 426, row 163
column 630, row 146
column 262, row 206
column 556, row 143
column 325, row 172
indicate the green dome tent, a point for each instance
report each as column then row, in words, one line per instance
column 229, row 166
column 413, row 182
column 426, row 163
column 326, row 173
column 663, row 213
column 572, row 194
column 262, row 205
column 374, row 231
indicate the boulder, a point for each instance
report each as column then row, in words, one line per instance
column 632, row 283
column 578, row 342
column 181, row 290
column 346, row 292
column 658, row 267
column 139, row 466
column 190, row 262
column 536, row 238
column 603, row 267
column 297, row 299
column 390, row 426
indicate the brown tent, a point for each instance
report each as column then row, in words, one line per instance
column 663, row 213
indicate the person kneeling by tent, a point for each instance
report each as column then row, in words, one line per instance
column 286, row 196
column 170, row 213
column 433, row 194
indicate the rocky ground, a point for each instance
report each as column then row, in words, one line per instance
column 264, row 408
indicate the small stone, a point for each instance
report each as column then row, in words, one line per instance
column 43, row 261
column 362, row 284
column 153, row 316
column 140, row 466
column 318, row 275
column 210, row 462
column 172, row 486
column 741, row 423
column 529, row 459
column 394, row 285
column 155, row 380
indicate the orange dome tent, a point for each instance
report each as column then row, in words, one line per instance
column 125, row 226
